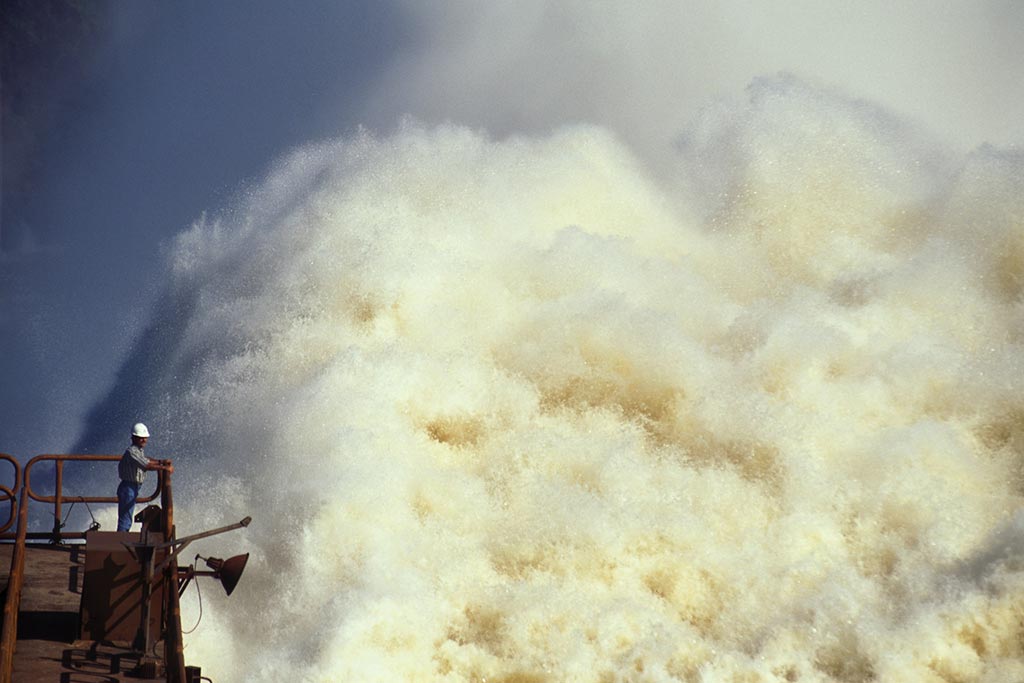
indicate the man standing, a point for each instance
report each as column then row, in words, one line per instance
column 132, row 470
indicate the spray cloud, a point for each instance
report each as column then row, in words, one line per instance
column 522, row 409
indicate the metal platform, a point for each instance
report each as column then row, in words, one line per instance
column 47, row 645
column 43, row 584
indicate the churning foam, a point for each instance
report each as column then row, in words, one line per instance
column 520, row 411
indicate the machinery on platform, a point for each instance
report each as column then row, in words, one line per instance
column 127, row 603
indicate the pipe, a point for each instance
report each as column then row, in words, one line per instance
column 174, row 650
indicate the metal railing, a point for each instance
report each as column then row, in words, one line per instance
column 9, row 493
column 57, row 499
column 173, row 647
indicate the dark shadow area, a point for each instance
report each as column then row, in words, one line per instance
column 94, row 663
column 109, row 420
column 59, row 627
column 45, row 49
column 81, row 677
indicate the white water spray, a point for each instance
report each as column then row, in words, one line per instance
column 519, row 410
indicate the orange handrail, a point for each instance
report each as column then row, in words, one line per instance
column 58, row 499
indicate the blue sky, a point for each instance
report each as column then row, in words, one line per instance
column 183, row 106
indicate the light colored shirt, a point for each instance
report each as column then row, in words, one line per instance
column 132, row 466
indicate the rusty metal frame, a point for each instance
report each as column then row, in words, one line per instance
column 58, row 499
column 173, row 646
column 9, row 494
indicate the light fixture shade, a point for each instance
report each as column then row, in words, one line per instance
column 229, row 571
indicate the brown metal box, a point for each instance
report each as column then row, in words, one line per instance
column 112, row 589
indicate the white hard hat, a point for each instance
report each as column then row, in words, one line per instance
column 140, row 430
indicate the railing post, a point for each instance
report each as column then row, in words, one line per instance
column 14, row 584
column 57, row 491
column 174, row 651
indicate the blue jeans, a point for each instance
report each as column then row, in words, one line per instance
column 126, row 495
